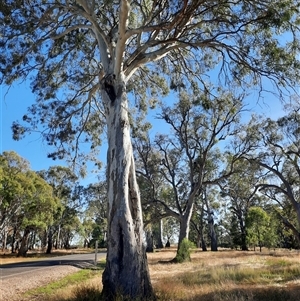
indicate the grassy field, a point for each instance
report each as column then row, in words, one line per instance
column 230, row 276
column 225, row 275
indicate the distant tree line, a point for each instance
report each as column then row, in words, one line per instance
column 47, row 209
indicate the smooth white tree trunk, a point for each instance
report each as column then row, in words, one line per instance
column 160, row 235
column 126, row 273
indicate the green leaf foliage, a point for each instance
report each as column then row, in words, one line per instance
column 26, row 199
column 62, row 47
column 183, row 253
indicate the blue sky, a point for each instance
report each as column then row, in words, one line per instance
column 13, row 106
column 14, row 103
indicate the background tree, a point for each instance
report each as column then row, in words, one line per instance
column 96, row 212
column 199, row 224
column 86, row 231
column 77, row 52
column 37, row 210
column 240, row 189
column 258, row 227
column 67, row 189
column 27, row 202
column 170, row 230
column 279, row 144
column 151, row 183
column 12, row 193
column 188, row 158
column 209, row 198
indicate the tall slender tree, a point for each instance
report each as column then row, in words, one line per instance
column 188, row 158
column 68, row 190
column 278, row 142
column 38, row 208
column 12, row 191
column 27, row 203
column 240, row 189
column 82, row 56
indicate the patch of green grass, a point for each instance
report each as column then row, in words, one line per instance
column 71, row 279
column 75, row 278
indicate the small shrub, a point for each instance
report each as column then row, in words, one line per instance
column 184, row 253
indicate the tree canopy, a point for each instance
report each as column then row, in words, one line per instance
column 65, row 47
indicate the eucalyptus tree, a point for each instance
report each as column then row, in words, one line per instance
column 278, row 145
column 12, row 170
column 95, row 214
column 199, row 224
column 37, row 209
column 170, row 230
column 152, row 186
column 210, row 200
column 82, row 56
column 12, row 193
column 188, row 158
column 27, row 201
column 241, row 191
column 67, row 189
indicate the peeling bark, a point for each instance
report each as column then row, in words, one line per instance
column 126, row 273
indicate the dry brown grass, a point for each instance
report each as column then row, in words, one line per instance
column 225, row 275
column 228, row 276
column 89, row 290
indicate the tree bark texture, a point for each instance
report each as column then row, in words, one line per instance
column 185, row 223
column 24, row 244
column 244, row 246
column 149, row 241
column 214, row 242
column 49, row 241
column 213, row 236
column 160, row 244
column 4, row 239
column 126, row 273
column 184, row 228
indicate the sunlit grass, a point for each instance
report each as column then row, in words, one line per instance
column 69, row 280
column 230, row 276
column 71, row 287
column 210, row 276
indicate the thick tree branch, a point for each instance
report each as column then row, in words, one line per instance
column 121, row 40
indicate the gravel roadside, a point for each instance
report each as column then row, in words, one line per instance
column 13, row 288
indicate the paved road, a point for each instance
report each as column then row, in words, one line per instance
column 80, row 260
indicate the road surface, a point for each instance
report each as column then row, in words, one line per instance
column 77, row 260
